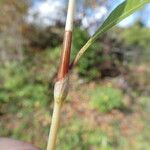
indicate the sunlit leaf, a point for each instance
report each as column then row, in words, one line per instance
column 125, row 9
column 121, row 12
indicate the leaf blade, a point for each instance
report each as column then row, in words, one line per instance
column 121, row 12
column 124, row 10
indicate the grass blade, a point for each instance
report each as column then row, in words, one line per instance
column 124, row 10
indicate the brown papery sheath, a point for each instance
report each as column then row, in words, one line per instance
column 65, row 56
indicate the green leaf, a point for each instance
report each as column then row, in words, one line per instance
column 125, row 9
column 121, row 12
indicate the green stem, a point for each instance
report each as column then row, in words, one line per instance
column 54, row 125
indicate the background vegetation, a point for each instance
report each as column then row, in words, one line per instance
column 108, row 104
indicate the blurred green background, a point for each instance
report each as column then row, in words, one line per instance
column 109, row 101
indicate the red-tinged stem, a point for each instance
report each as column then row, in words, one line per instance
column 61, row 86
column 65, row 56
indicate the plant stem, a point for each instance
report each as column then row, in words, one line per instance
column 60, row 93
column 54, row 126
column 61, row 86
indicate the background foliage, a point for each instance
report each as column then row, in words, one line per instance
column 108, row 104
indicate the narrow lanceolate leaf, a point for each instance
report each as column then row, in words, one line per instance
column 118, row 14
column 121, row 12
